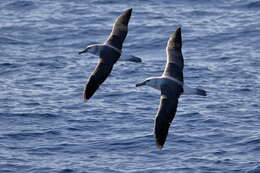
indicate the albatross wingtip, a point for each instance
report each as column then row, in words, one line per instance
column 129, row 10
column 125, row 17
column 178, row 29
column 177, row 38
column 175, row 41
column 159, row 146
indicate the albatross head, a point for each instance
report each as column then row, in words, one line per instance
column 93, row 49
column 154, row 82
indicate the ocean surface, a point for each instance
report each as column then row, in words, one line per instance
column 45, row 126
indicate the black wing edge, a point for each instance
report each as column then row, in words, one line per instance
column 100, row 74
column 120, row 29
column 166, row 113
column 174, row 53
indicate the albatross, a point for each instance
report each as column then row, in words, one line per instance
column 172, row 86
column 109, row 53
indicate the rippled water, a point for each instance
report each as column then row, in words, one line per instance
column 46, row 127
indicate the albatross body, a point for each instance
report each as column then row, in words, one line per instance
column 171, row 85
column 109, row 53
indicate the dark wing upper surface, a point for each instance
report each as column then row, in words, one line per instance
column 166, row 112
column 119, row 31
column 108, row 57
column 175, row 62
column 99, row 75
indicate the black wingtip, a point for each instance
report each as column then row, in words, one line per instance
column 177, row 40
column 126, row 16
column 158, row 145
column 160, row 132
column 129, row 11
column 178, row 30
column 160, row 141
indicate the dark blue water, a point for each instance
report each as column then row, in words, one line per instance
column 46, row 127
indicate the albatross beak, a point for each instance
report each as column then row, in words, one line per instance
column 84, row 51
column 140, row 84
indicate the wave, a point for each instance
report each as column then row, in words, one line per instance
column 21, row 5
column 255, row 170
column 29, row 135
column 7, row 40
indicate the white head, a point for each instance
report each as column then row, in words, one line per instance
column 93, row 49
column 154, row 82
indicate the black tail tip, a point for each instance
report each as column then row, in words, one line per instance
column 135, row 59
column 201, row 92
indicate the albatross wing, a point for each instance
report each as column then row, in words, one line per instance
column 166, row 112
column 175, row 62
column 99, row 75
column 120, row 29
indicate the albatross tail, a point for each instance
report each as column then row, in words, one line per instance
column 193, row 91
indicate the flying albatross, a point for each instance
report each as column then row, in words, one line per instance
column 109, row 53
column 171, row 86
